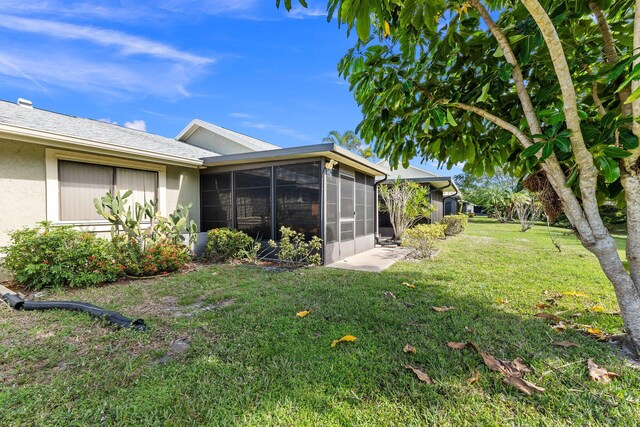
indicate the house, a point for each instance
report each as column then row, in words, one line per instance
column 442, row 190
column 52, row 166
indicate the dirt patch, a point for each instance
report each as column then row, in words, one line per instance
column 625, row 349
column 200, row 306
column 177, row 347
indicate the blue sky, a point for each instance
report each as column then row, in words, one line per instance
column 155, row 65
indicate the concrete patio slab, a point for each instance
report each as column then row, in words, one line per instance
column 374, row 260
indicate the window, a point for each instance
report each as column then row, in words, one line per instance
column 298, row 198
column 361, row 184
column 253, row 202
column 81, row 183
column 215, row 194
column 370, row 205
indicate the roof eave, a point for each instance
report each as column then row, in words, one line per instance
column 317, row 150
column 52, row 139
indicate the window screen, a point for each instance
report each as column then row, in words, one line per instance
column 331, row 201
column 298, row 198
column 81, row 183
column 360, row 204
column 215, row 199
column 253, row 202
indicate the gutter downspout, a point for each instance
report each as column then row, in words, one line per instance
column 450, row 195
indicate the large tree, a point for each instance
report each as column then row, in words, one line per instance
column 547, row 89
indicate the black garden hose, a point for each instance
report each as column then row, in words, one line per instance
column 112, row 317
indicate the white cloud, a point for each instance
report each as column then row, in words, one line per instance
column 303, row 12
column 137, row 125
column 279, row 129
column 127, row 44
column 210, row 7
column 240, row 115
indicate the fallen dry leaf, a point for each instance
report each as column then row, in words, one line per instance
column 596, row 333
column 565, row 344
column 575, row 294
column 345, row 338
column 543, row 305
column 475, row 376
column 409, row 285
column 513, row 371
column 457, row 345
column 389, row 294
column 442, row 309
column 502, row 301
column 303, row 313
column 408, row 348
column 422, row 376
column 598, row 374
column 597, row 309
column 470, row 330
column 548, row 316
column 559, row 327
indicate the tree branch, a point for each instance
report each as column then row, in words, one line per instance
column 518, row 78
column 609, row 48
column 584, row 159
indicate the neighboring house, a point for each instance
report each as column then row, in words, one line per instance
column 442, row 189
column 454, row 204
column 52, row 166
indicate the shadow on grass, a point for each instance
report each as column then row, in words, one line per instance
column 254, row 362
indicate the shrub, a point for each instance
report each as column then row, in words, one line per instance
column 47, row 256
column 295, row 251
column 157, row 257
column 423, row 239
column 225, row 244
column 455, row 224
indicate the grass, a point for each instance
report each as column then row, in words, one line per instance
column 252, row 362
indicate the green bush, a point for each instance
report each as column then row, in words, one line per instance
column 423, row 239
column 225, row 244
column 295, row 251
column 157, row 257
column 47, row 256
column 455, row 224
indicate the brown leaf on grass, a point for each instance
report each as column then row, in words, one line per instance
column 422, row 376
column 389, row 294
column 408, row 348
column 442, row 309
column 409, row 285
column 543, row 305
column 457, row 345
column 523, row 385
column 475, row 376
column 513, row 371
column 548, row 316
column 565, row 344
column 598, row 374
column 345, row 338
column 470, row 330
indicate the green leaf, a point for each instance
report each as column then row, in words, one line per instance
column 563, row 144
column 610, row 168
column 634, row 95
column 450, row 119
column 498, row 53
column 485, row 93
column 547, row 150
column 572, row 177
column 616, row 152
column 363, row 23
column 532, row 150
column 628, row 140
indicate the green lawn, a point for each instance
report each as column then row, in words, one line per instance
column 252, row 362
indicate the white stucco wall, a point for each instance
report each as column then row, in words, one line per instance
column 23, row 190
column 22, row 186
